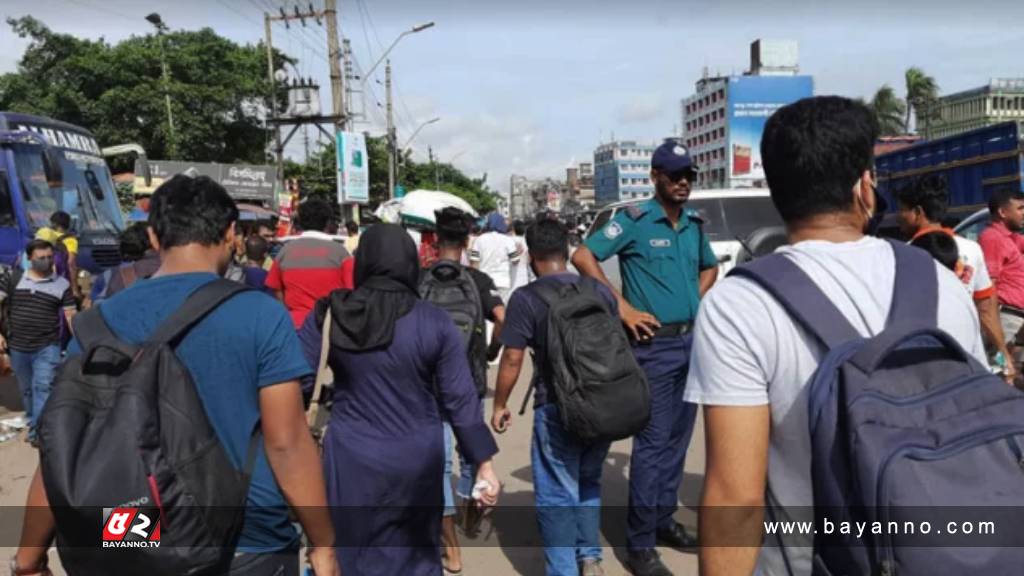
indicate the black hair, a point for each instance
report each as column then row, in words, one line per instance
column 37, row 245
column 315, row 215
column 1001, row 197
column 453, row 227
column 134, row 242
column 61, row 219
column 814, row 151
column 519, row 227
column 929, row 193
column 352, row 227
column 256, row 248
column 941, row 246
column 548, row 239
column 191, row 210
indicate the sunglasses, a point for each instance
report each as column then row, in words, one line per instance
column 677, row 176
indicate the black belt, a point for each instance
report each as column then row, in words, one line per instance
column 673, row 330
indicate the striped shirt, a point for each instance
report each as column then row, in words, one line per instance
column 35, row 310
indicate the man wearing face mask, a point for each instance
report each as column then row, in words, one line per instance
column 667, row 265
column 33, row 302
column 753, row 362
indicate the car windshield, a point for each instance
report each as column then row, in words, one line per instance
column 744, row 215
column 87, row 192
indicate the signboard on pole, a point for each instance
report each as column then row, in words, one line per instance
column 353, row 169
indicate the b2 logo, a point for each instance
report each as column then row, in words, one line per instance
column 131, row 528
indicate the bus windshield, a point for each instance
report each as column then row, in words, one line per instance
column 87, row 193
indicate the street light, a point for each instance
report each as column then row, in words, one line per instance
column 392, row 144
column 417, row 131
column 413, row 30
column 158, row 23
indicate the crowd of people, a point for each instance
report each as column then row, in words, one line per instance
column 407, row 332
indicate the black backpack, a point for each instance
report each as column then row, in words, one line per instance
column 449, row 286
column 130, row 460
column 600, row 390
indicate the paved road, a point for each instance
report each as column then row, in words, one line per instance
column 509, row 542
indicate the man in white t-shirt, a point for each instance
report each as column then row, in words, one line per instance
column 922, row 205
column 751, row 363
column 495, row 253
column 521, row 272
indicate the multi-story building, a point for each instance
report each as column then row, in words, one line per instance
column 518, row 191
column 724, row 118
column 1002, row 100
column 622, row 171
column 580, row 183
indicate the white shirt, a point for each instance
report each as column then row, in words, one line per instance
column 495, row 253
column 521, row 273
column 748, row 352
column 975, row 273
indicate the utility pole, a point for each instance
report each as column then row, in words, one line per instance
column 334, row 58
column 278, row 148
column 391, row 134
column 430, row 150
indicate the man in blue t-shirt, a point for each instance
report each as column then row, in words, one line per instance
column 246, row 363
column 566, row 471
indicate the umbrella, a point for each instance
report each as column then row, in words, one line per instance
column 417, row 207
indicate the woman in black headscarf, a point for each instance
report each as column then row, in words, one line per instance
column 398, row 363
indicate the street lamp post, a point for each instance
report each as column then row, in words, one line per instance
column 158, row 23
column 391, row 138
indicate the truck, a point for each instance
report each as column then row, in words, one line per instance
column 47, row 165
column 974, row 164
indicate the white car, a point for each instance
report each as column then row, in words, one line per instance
column 730, row 216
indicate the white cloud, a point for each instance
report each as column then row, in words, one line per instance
column 642, row 108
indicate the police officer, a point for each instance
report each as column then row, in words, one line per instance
column 666, row 266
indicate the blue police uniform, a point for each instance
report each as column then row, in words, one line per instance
column 660, row 265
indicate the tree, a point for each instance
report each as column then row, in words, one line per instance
column 889, row 109
column 218, row 90
column 922, row 91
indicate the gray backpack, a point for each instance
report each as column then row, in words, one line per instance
column 449, row 286
column 911, row 437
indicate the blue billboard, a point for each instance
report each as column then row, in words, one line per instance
column 752, row 99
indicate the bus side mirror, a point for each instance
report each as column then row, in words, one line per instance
column 52, row 167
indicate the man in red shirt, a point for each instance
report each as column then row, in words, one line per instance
column 309, row 267
column 1004, row 253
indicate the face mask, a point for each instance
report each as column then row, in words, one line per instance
column 42, row 265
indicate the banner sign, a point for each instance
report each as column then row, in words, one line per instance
column 242, row 181
column 353, row 169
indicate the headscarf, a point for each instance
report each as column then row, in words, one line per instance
column 496, row 223
column 386, row 283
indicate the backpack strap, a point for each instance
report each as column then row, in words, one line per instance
column 915, row 294
column 800, row 297
column 196, row 307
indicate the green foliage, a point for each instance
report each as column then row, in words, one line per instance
column 922, row 92
column 126, row 196
column 889, row 109
column 218, row 90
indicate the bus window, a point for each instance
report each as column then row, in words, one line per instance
column 7, row 219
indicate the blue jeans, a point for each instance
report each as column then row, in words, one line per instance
column 567, row 486
column 659, row 451
column 35, row 372
column 467, row 469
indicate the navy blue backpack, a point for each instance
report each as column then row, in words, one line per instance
column 911, row 436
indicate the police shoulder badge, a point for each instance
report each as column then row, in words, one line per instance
column 613, row 230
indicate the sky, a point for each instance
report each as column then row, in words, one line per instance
column 531, row 87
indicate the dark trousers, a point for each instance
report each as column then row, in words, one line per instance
column 656, row 465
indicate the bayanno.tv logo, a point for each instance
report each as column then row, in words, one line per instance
column 131, row 528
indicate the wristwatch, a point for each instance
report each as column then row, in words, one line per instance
column 37, row 569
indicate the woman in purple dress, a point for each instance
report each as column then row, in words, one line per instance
column 399, row 364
